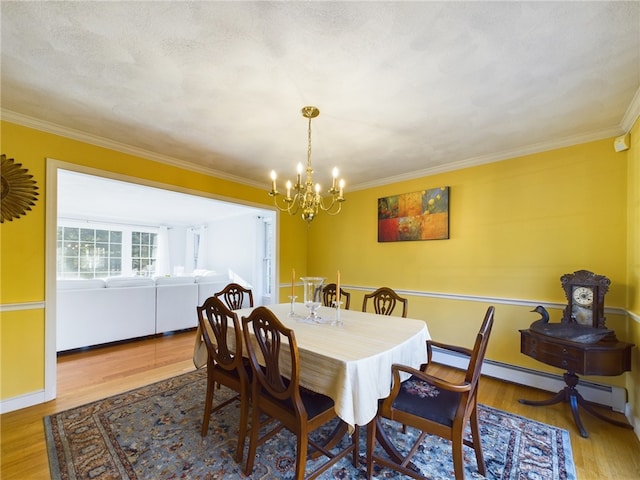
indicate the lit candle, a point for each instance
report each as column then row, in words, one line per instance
column 335, row 177
column 341, row 186
column 288, row 189
column 293, row 281
column 273, row 180
column 338, row 289
column 299, row 174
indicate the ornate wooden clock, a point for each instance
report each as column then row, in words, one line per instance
column 585, row 293
column 607, row 356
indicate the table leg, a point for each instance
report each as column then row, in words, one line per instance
column 375, row 429
column 571, row 395
column 587, row 406
column 334, row 438
column 561, row 396
column 573, row 401
column 385, row 443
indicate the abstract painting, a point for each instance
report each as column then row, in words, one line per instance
column 420, row 215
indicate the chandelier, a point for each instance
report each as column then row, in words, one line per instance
column 306, row 196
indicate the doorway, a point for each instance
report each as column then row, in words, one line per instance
column 93, row 199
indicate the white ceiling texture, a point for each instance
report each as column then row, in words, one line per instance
column 404, row 88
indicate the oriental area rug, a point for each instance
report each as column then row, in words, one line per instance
column 153, row 433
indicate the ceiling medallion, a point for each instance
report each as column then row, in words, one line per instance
column 18, row 192
column 307, row 198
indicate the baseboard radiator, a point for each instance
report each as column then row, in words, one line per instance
column 611, row 396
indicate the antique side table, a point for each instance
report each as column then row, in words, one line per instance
column 608, row 358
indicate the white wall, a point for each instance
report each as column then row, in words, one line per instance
column 232, row 244
column 177, row 245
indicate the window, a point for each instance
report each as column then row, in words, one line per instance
column 144, row 251
column 89, row 253
column 98, row 252
column 268, row 260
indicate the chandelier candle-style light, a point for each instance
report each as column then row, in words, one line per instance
column 306, row 196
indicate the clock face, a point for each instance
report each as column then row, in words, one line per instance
column 583, row 296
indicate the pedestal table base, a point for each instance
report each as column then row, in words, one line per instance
column 571, row 395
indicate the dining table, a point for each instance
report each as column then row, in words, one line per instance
column 350, row 360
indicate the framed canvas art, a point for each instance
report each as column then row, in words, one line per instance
column 420, row 215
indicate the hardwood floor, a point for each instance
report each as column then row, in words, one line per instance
column 609, row 452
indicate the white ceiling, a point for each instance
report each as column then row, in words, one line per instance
column 404, row 88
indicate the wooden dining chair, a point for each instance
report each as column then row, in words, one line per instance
column 280, row 398
column 384, row 301
column 329, row 296
column 234, row 296
column 225, row 364
column 434, row 406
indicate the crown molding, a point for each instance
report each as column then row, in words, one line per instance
column 495, row 157
column 631, row 115
column 48, row 127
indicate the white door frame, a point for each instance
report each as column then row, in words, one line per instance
column 51, row 221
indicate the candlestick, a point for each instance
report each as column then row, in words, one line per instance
column 336, row 320
column 292, row 312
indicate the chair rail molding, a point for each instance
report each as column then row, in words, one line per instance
column 478, row 298
column 12, row 307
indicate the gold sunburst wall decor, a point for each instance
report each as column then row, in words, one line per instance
column 18, row 193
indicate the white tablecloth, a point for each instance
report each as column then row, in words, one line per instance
column 352, row 363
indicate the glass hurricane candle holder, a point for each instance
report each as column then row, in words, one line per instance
column 313, row 296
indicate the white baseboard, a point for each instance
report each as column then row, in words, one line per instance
column 614, row 397
column 635, row 421
column 27, row 400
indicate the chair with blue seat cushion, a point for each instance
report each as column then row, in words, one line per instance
column 329, row 296
column 434, row 406
column 234, row 296
column 225, row 363
column 276, row 397
column 384, row 301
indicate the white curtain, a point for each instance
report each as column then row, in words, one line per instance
column 163, row 260
column 189, row 243
column 202, row 248
column 196, row 249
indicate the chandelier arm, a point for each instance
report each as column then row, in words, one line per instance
column 335, row 200
column 336, row 212
column 294, row 202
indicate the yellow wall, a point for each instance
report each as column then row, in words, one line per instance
column 633, row 264
column 633, row 242
column 21, row 352
column 516, row 226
